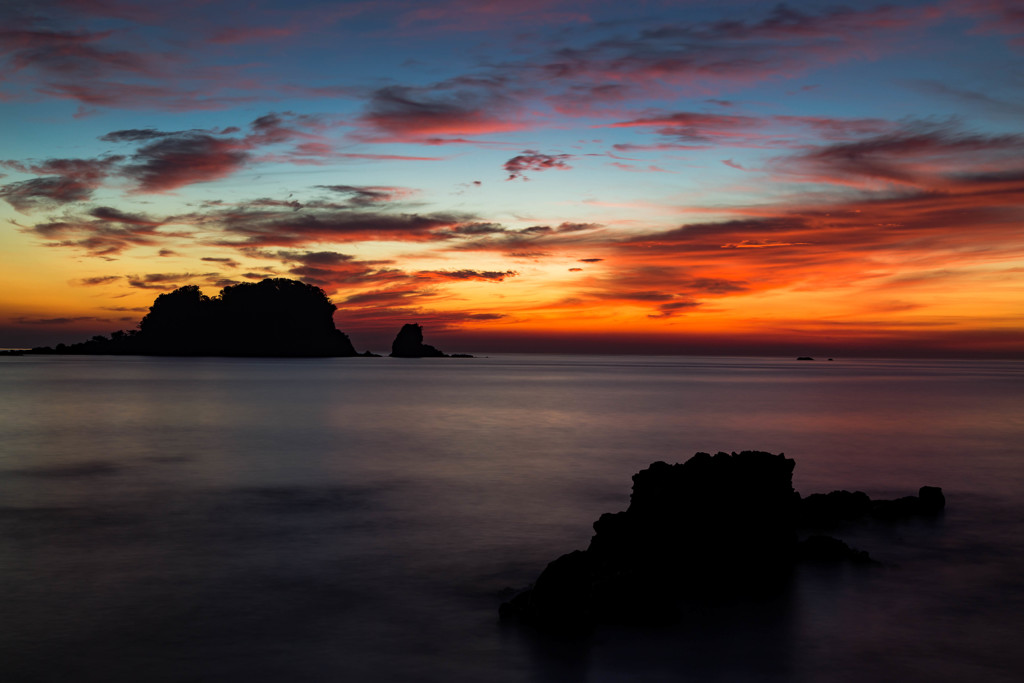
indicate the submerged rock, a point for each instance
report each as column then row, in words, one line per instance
column 713, row 528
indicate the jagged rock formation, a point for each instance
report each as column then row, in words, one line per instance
column 715, row 527
column 409, row 344
column 275, row 317
column 826, row 510
column 703, row 528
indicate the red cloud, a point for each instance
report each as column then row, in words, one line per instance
column 170, row 160
column 455, row 108
column 104, row 93
column 829, row 244
column 1005, row 17
column 165, row 161
column 691, row 128
column 67, row 54
column 184, row 159
column 661, row 283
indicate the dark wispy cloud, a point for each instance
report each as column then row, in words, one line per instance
column 996, row 17
column 466, row 274
column 222, row 260
column 468, row 15
column 673, row 308
column 254, row 228
column 163, row 161
column 96, row 237
column 62, row 181
column 364, row 195
column 55, row 321
column 99, row 280
column 112, row 215
column 923, row 154
column 135, row 135
column 985, row 101
column 174, row 161
column 715, row 56
column 660, row 285
column 69, row 54
column 532, row 160
column 167, row 281
column 696, row 130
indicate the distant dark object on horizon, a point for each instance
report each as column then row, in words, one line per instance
column 409, row 344
column 804, row 358
column 277, row 317
column 713, row 529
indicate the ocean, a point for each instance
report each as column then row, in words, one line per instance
column 361, row 519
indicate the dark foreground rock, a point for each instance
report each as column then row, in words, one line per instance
column 827, row 510
column 409, row 344
column 715, row 528
column 828, row 550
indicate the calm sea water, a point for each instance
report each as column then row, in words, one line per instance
column 359, row 519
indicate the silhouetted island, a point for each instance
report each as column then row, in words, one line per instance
column 276, row 317
column 714, row 528
column 409, row 344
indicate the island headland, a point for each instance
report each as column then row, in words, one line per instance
column 277, row 317
column 712, row 529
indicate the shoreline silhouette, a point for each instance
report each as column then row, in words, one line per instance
column 273, row 318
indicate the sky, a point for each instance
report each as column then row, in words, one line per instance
column 729, row 176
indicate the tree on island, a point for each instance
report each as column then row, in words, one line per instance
column 275, row 317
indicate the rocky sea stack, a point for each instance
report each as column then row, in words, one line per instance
column 712, row 529
column 409, row 344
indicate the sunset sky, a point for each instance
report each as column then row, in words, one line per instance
column 538, row 175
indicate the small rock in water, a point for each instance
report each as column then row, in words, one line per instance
column 409, row 344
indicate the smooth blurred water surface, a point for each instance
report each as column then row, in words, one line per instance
column 167, row 519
